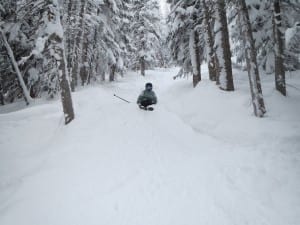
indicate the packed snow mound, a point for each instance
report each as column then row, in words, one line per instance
column 200, row 158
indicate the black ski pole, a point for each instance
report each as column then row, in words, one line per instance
column 121, row 98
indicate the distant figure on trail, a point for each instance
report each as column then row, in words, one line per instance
column 147, row 98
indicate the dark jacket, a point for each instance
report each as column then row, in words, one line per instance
column 147, row 95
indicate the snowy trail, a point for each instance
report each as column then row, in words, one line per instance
column 116, row 164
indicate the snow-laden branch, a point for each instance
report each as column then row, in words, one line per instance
column 27, row 97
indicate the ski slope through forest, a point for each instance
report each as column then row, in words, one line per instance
column 200, row 157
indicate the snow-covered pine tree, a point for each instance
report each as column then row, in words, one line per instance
column 178, row 38
column 98, row 47
column 37, row 36
column 15, row 66
column 186, row 37
column 25, row 37
column 125, row 35
column 52, row 34
column 293, row 47
column 146, row 36
column 12, row 83
column 116, row 49
column 291, row 17
column 261, row 15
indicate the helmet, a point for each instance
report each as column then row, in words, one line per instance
column 148, row 86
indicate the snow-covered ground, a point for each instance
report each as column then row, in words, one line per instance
column 200, row 158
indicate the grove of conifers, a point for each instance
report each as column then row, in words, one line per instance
column 50, row 48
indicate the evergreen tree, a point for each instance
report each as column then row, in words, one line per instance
column 146, row 33
column 186, row 37
column 52, row 34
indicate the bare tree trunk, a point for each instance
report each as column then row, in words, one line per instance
column 195, row 57
column 84, row 61
column 102, row 76
column 279, row 50
column 217, row 67
column 252, row 66
column 143, row 65
column 55, row 42
column 94, row 62
column 226, row 78
column 72, row 58
column 212, row 67
column 66, row 97
column 78, row 46
column 68, row 33
column 112, row 72
column 1, row 96
column 218, row 51
column 26, row 94
column 72, row 20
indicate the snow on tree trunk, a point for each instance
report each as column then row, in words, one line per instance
column 102, row 75
column 70, row 22
column 218, row 51
column 26, row 94
column 195, row 57
column 1, row 98
column 143, row 65
column 279, row 50
column 67, row 23
column 112, row 72
column 212, row 66
column 66, row 97
column 78, row 45
column 252, row 66
column 56, row 45
column 84, row 61
column 224, row 54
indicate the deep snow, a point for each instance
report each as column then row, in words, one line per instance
column 200, row 158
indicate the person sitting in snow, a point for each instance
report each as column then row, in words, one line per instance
column 147, row 97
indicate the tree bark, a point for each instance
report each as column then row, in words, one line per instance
column 57, row 50
column 1, row 97
column 112, row 72
column 102, row 76
column 84, row 61
column 252, row 66
column 68, row 35
column 143, row 65
column 279, row 50
column 212, row 67
column 78, row 46
column 63, row 80
column 217, row 50
column 226, row 78
column 195, row 57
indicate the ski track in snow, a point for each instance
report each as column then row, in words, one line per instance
column 181, row 164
